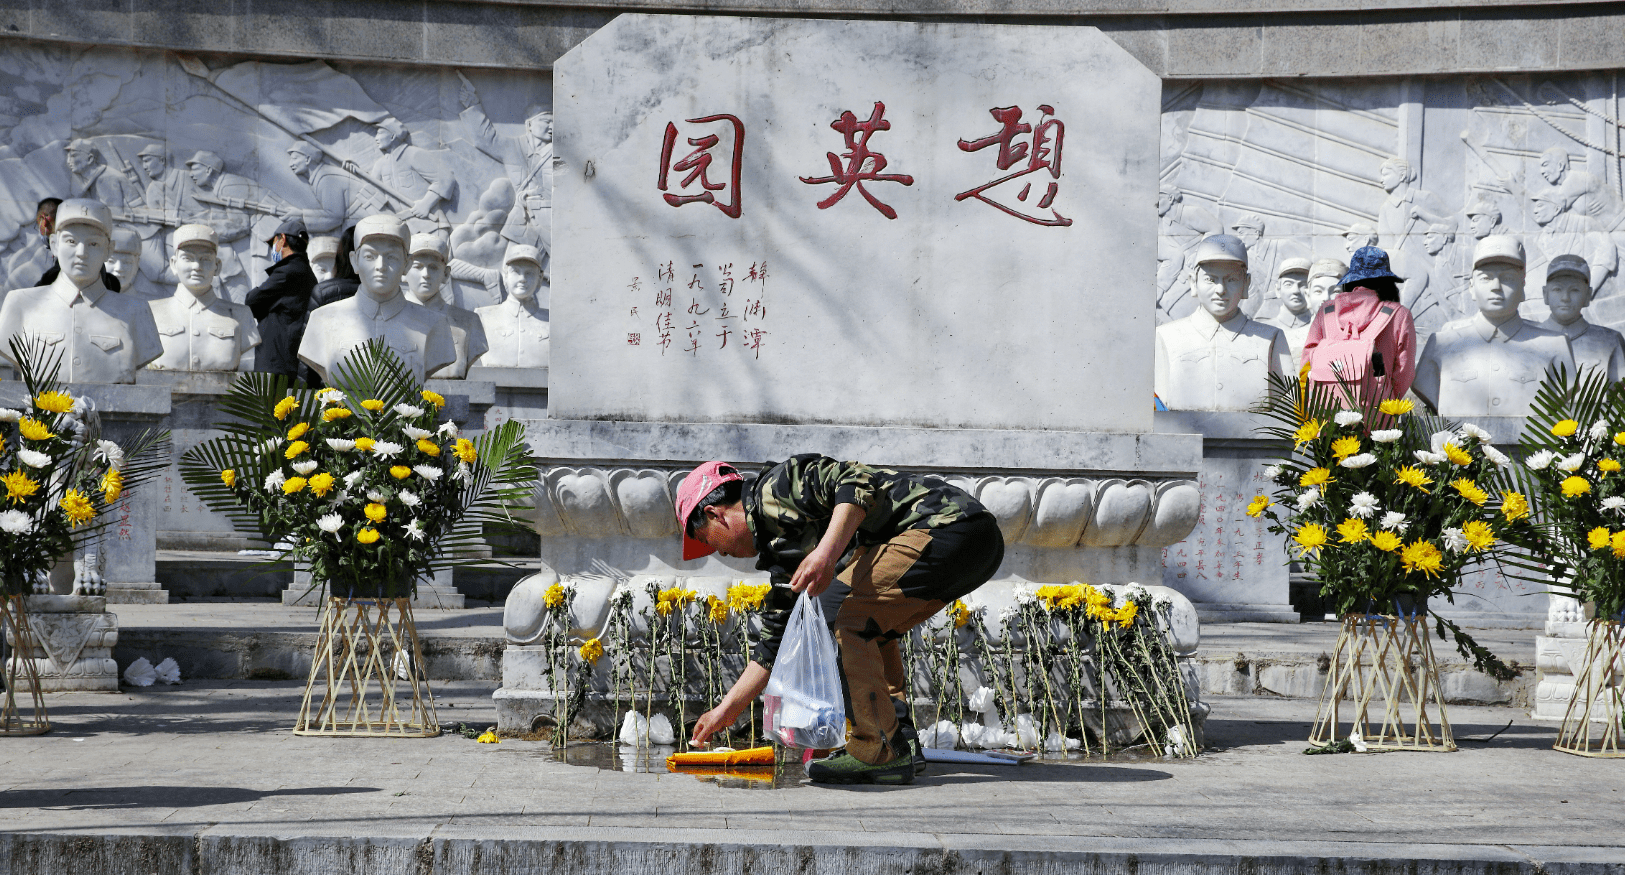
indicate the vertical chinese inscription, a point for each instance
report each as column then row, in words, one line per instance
column 1041, row 150
column 859, row 163
column 697, row 186
column 712, row 309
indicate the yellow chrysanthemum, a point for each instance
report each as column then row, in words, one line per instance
column 716, row 609
column 1457, row 455
column 364, row 444
column 53, row 402
column 373, row 404
column 959, row 614
column 335, row 413
column 295, row 449
column 298, row 431
column 1478, row 534
column 429, row 447
column 112, row 485
column 747, row 596
column 1344, row 447
column 19, row 486
column 1307, row 432
column 434, row 398
column 669, row 600
column 375, row 512
column 1315, row 477
column 1386, row 541
column 285, row 407
column 1619, row 438
column 34, row 430
column 1258, row 505
column 591, row 650
column 228, row 477
column 367, row 536
column 465, row 451
column 1565, row 428
column 1514, row 506
column 1575, row 486
column 1310, row 538
column 555, row 596
column 1396, row 407
column 1597, row 538
column 293, row 484
column 77, row 508
column 1352, row 531
column 1470, row 491
column 1617, row 541
column 1608, row 466
column 1422, row 556
column 321, row 484
column 400, row 472
column 1126, row 614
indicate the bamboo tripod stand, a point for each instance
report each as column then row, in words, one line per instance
column 1598, row 696
column 362, row 648
column 18, row 671
column 1389, row 659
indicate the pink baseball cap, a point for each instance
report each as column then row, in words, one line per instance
column 695, row 487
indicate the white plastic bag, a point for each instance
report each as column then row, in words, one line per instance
column 802, row 701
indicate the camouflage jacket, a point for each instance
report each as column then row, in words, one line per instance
column 789, row 505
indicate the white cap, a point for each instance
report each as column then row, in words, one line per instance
column 320, row 246
column 1289, row 265
column 83, row 211
column 1498, row 247
column 196, row 235
column 126, row 240
column 522, row 252
column 1568, row 264
column 1328, row 267
column 1221, row 247
column 429, row 243
column 381, row 225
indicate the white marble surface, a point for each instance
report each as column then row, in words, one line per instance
column 952, row 314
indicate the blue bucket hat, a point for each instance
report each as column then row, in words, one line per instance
column 1368, row 263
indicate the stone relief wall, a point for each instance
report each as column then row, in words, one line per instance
column 167, row 139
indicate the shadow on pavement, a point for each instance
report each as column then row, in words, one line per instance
column 1027, row 773
column 155, row 797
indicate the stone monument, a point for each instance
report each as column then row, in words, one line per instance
column 517, row 331
column 419, row 336
column 1217, row 358
column 124, row 262
column 1492, row 363
column 199, row 330
column 1567, row 293
column 425, row 275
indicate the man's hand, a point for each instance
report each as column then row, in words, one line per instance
column 710, row 723
column 814, row 573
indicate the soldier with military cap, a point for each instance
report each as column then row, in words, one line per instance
column 425, row 275
column 1567, row 293
column 518, row 329
column 1292, row 290
column 101, row 335
column 201, row 331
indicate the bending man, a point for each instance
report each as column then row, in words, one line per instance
column 897, row 548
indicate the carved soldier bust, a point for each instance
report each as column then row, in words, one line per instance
column 321, row 252
column 426, row 273
column 200, row 330
column 125, row 260
column 1491, row 363
column 1292, row 290
column 518, row 329
column 420, row 337
column 102, row 336
column 1567, row 293
column 1216, row 358
column 1325, row 275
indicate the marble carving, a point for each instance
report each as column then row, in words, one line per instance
column 1567, row 292
column 426, row 274
column 199, row 331
column 516, row 331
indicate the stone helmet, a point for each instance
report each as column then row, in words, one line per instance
column 1221, row 247
column 382, row 226
column 1292, row 265
column 429, row 244
column 199, row 235
column 1498, row 247
column 1568, row 264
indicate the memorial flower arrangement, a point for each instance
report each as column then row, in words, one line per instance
column 366, row 480
column 58, row 476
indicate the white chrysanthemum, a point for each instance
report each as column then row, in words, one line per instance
column 330, row 523
column 33, row 458
column 464, row 472
column 9, row 415
column 1394, row 521
column 81, row 406
column 304, row 467
column 386, row 449
column 1027, row 594
column 1599, row 430
column 1440, row 438
column 428, row 472
column 409, row 411
column 1540, row 460
column 376, row 497
column 351, row 478
column 1471, row 430
column 341, row 444
column 416, row 433
column 1496, row 457
column 330, row 396
column 1363, row 505
column 1387, row 435
column 16, row 522
column 1273, row 472
column 1346, row 418
column 1571, row 463
column 1358, row 461
column 1454, row 540
column 409, row 498
column 274, row 481
column 1308, row 498
column 270, row 445
column 448, row 428
column 110, row 454
column 415, row 530
column 1429, row 458
column 1613, row 503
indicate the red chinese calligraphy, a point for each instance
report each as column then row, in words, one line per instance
column 697, row 164
column 1042, row 152
column 862, row 164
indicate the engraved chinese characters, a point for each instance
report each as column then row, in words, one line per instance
column 199, row 331
column 713, row 314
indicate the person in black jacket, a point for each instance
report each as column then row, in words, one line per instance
column 345, row 283
column 282, row 302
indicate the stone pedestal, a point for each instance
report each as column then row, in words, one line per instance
column 435, row 591
column 1557, row 653
column 73, row 643
column 521, row 393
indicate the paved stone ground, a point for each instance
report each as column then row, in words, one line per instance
column 213, row 766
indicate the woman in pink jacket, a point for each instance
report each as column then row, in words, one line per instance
column 1363, row 336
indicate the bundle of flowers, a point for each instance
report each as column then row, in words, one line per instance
column 58, row 476
column 1574, row 452
column 365, row 480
